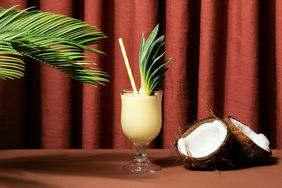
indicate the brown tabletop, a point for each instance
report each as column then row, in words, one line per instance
column 102, row 168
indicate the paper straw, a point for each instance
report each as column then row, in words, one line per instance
column 127, row 66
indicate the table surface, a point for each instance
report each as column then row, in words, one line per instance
column 102, row 168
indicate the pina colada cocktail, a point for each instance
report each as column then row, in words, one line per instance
column 141, row 111
column 141, row 122
column 141, row 116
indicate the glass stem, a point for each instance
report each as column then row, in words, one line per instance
column 141, row 154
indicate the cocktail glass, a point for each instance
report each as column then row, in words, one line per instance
column 141, row 121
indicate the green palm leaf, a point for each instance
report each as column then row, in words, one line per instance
column 53, row 39
column 11, row 65
column 152, row 68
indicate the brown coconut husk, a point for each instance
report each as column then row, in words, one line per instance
column 216, row 160
column 245, row 150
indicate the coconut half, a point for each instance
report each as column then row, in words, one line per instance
column 205, row 145
column 248, row 145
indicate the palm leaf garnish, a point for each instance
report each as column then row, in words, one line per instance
column 49, row 38
column 152, row 68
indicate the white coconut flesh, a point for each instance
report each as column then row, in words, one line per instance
column 204, row 140
column 258, row 139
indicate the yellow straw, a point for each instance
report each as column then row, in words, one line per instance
column 127, row 66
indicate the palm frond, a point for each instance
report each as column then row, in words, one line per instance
column 53, row 39
column 11, row 64
column 152, row 68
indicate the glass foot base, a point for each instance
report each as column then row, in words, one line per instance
column 141, row 167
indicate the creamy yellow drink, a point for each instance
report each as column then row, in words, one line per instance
column 141, row 116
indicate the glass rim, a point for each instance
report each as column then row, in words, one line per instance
column 131, row 91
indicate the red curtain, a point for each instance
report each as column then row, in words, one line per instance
column 227, row 60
